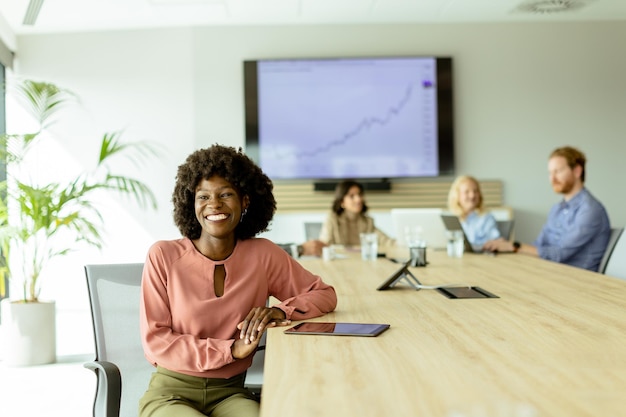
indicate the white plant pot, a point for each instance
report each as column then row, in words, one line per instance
column 28, row 333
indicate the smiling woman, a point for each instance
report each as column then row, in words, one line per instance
column 203, row 303
column 465, row 200
column 219, row 209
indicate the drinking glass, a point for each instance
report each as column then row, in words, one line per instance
column 455, row 244
column 369, row 246
column 416, row 244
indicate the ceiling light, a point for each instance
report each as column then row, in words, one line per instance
column 34, row 6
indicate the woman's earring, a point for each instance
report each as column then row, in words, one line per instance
column 243, row 213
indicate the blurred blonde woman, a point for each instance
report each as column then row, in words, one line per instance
column 466, row 201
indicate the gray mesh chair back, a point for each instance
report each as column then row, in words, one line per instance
column 312, row 230
column 614, row 260
column 122, row 370
column 505, row 227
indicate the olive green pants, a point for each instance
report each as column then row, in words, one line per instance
column 172, row 394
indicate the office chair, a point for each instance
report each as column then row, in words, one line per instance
column 505, row 227
column 122, row 371
column 614, row 260
column 312, row 230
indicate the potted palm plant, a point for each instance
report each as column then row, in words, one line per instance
column 40, row 220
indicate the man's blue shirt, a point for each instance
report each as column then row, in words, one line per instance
column 576, row 232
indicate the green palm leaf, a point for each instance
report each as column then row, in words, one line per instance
column 45, row 215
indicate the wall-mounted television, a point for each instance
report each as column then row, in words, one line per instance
column 362, row 118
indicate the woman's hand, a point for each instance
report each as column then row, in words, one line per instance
column 257, row 320
column 240, row 349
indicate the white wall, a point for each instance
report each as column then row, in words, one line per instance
column 133, row 82
column 521, row 90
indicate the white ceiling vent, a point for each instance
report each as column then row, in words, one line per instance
column 551, row 6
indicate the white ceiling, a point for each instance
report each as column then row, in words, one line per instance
column 97, row 15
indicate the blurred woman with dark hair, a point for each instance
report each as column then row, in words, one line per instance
column 348, row 218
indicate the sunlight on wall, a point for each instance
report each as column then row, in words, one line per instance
column 125, row 239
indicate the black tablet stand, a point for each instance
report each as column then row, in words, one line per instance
column 402, row 274
column 408, row 278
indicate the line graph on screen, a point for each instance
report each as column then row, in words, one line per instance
column 365, row 124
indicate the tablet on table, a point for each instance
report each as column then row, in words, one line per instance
column 338, row 329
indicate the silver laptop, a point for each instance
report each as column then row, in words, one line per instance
column 427, row 219
column 452, row 222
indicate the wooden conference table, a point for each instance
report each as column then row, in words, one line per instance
column 553, row 344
